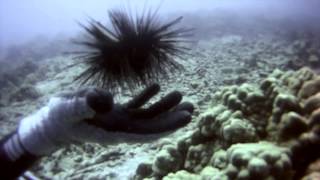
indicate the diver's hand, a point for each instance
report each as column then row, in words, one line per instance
column 60, row 122
column 165, row 115
column 90, row 116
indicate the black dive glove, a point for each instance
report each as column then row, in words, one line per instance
column 91, row 116
column 165, row 115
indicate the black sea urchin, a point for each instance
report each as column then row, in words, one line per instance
column 133, row 52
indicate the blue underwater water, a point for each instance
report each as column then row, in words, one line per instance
column 250, row 69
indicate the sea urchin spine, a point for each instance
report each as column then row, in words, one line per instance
column 135, row 51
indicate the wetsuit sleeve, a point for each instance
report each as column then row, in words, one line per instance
column 14, row 160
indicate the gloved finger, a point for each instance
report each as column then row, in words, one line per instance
column 164, row 105
column 99, row 100
column 163, row 123
column 185, row 106
column 143, row 97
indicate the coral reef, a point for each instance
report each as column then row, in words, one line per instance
column 16, row 76
column 198, row 150
column 268, row 131
column 254, row 160
column 25, row 92
column 306, row 52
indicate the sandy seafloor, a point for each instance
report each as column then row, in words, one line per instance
column 212, row 64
